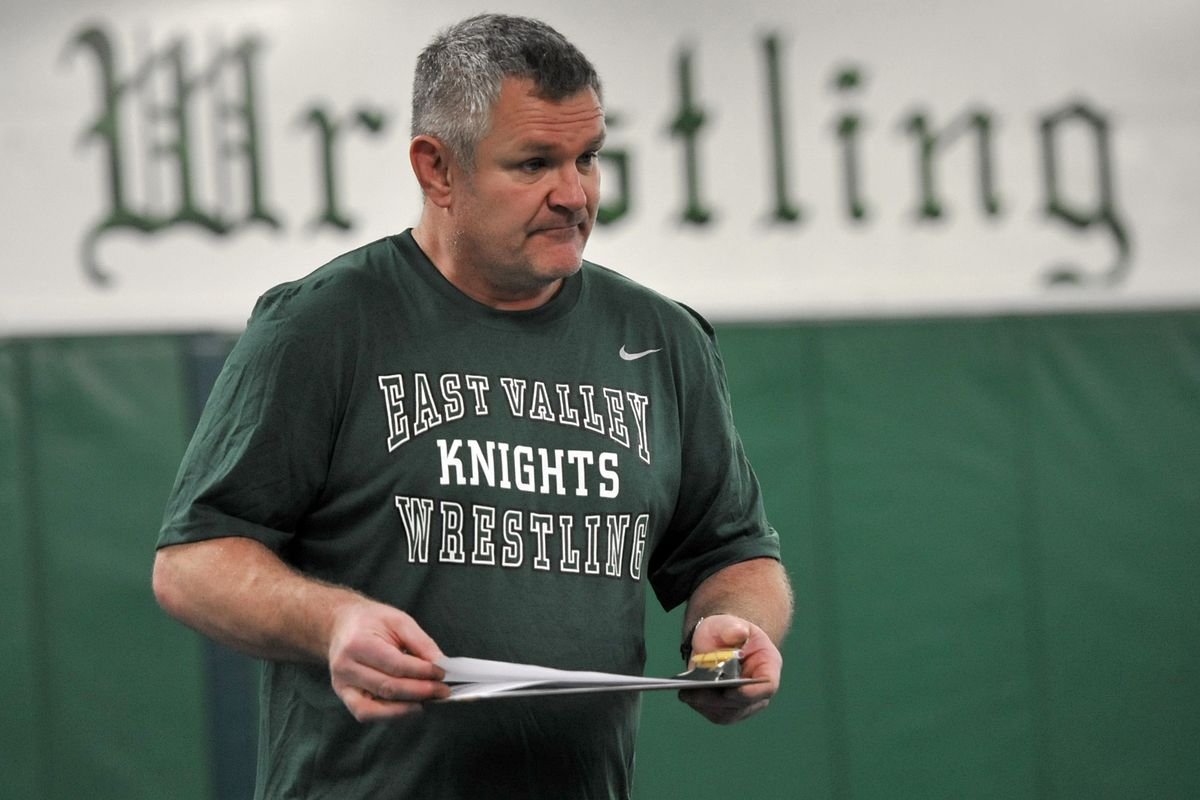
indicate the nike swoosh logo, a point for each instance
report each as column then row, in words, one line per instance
column 628, row 356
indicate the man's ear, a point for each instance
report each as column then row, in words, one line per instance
column 431, row 162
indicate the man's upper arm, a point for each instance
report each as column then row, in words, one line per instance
column 259, row 454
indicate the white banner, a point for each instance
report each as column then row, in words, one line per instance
column 166, row 162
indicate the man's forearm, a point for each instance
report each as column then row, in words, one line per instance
column 758, row 591
column 238, row 592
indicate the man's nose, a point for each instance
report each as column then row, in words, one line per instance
column 568, row 190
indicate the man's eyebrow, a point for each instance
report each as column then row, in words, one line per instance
column 548, row 148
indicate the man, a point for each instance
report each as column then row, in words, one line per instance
column 465, row 440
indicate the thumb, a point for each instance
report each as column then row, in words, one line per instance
column 720, row 632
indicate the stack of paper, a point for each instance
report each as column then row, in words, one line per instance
column 477, row 678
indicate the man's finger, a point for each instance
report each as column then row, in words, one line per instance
column 409, row 690
column 366, row 707
column 720, row 710
column 387, row 685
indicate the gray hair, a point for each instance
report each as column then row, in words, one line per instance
column 459, row 76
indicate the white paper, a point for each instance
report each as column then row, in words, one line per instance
column 477, row 678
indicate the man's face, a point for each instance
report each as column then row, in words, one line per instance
column 522, row 216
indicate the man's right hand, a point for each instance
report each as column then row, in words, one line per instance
column 381, row 663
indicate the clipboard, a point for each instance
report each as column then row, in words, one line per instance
column 473, row 679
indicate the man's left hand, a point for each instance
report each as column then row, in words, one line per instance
column 761, row 659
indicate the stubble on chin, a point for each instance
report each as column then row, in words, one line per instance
column 512, row 274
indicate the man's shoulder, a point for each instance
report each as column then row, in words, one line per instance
column 612, row 287
column 347, row 279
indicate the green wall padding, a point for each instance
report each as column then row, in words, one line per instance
column 1115, row 438
column 992, row 525
column 22, row 737
column 118, row 715
column 925, row 539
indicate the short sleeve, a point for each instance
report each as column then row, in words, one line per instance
column 719, row 519
column 258, row 458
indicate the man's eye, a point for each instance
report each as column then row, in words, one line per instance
column 533, row 165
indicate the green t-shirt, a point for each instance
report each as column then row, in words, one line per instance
column 509, row 479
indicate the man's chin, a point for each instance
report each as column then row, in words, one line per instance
column 559, row 264
column 569, row 266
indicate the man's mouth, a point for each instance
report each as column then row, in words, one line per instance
column 570, row 224
column 566, row 231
